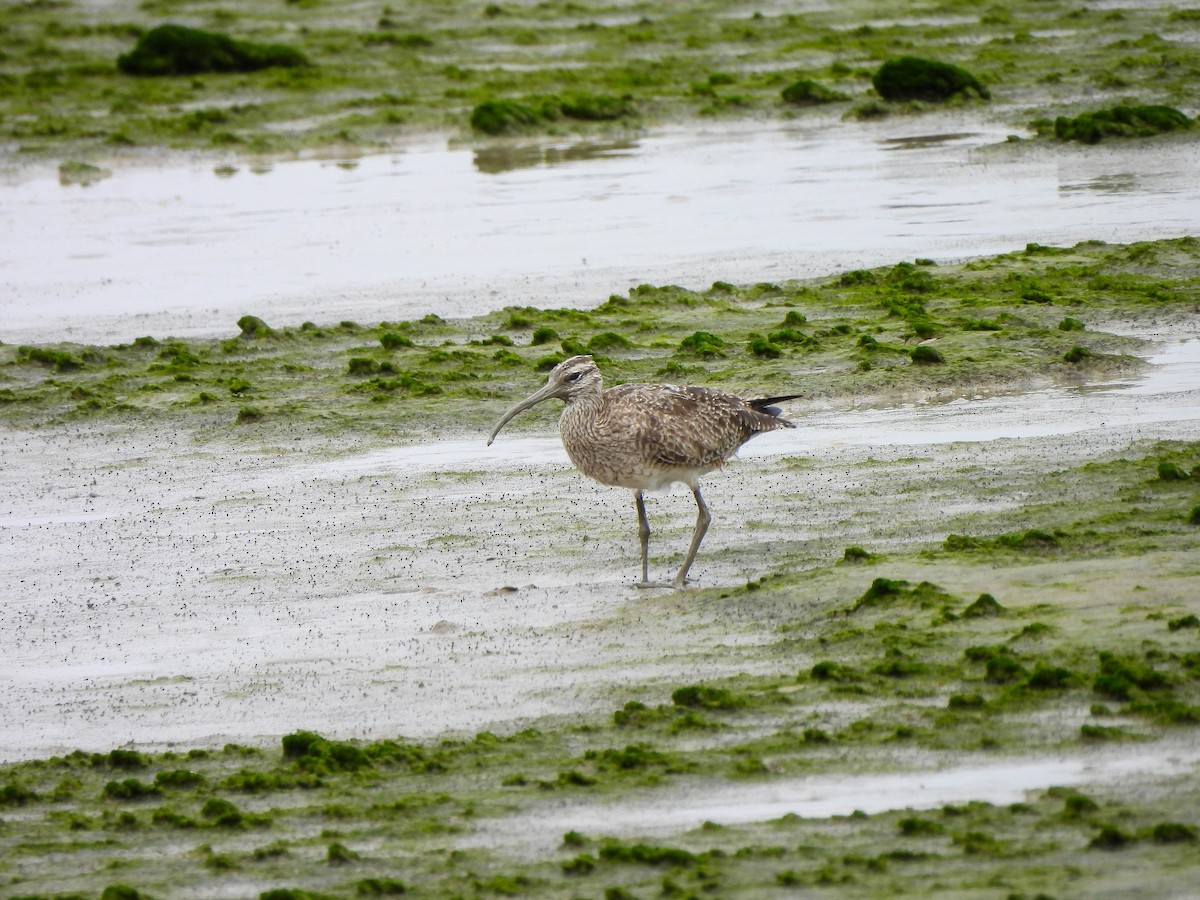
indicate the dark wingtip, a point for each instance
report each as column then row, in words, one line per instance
column 767, row 404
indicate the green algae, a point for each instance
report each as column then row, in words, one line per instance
column 1119, row 121
column 861, row 337
column 916, row 78
column 381, row 74
column 807, row 92
column 180, row 50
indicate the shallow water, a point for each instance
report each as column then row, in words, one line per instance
column 822, row 796
column 179, row 249
column 1166, row 393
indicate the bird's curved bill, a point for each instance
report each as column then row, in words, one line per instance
column 532, row 400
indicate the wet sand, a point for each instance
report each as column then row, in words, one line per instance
column 175, row 589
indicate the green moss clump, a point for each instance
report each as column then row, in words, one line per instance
column 179, row 778
column 391, row 340
column 966, row 701
column 857, row 556
column 340, row 855
column 648, row 855
column 122, row 892
column 633, row 758
column 915, row 78
column 699, row 695
column 915, row 826
column 497, row 117
column 888, row 592
column 807, row 92
column 74, row 172
column 899, row 665
column 1110, row 838
column 1096, row 733
column 985, row 607
column 1001, row 668
column 764, row 349
column 1119, row 121
column 583, row 864
column 925, row 355
column 1174, row 833
column 828, row 670
column 1169, row 471
column 59, row 360
column 1051, row 678
column 791, row 336
column 179, row 50
column 702, row 344
column 1032, row 540
column 500, row 117
column 13, row 794
column 126, row 759
column 252, row 327
column 130, row 789
column 596, row 108
column 1119, row 676
column 379, row 887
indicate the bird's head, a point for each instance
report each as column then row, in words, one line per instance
column 568, row 381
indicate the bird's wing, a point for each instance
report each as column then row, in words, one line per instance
column 682, row 426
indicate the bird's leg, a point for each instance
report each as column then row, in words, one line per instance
column 643, row 535
column 702, row 520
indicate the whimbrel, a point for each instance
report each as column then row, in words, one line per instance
column 647, row 436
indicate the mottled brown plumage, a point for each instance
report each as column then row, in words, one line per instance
column 647, row 436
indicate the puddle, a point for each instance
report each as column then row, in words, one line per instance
column 673, row 810
column 1167, row 394
column 180, row 249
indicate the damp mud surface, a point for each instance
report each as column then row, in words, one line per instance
column 275, row 621
column 943, row 629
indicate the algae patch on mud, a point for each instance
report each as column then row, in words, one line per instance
column 914, row 330
column 381, row 73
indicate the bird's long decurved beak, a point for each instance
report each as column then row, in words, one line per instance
column 545, row 393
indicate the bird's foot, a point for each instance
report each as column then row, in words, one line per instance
column 678, row 584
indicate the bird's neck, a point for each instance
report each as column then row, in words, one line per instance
column 581, row 409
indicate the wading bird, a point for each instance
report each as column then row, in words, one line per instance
column 647, row 436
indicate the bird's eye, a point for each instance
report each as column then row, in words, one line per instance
column 574, row 376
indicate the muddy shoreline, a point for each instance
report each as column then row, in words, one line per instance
column 167, row 584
